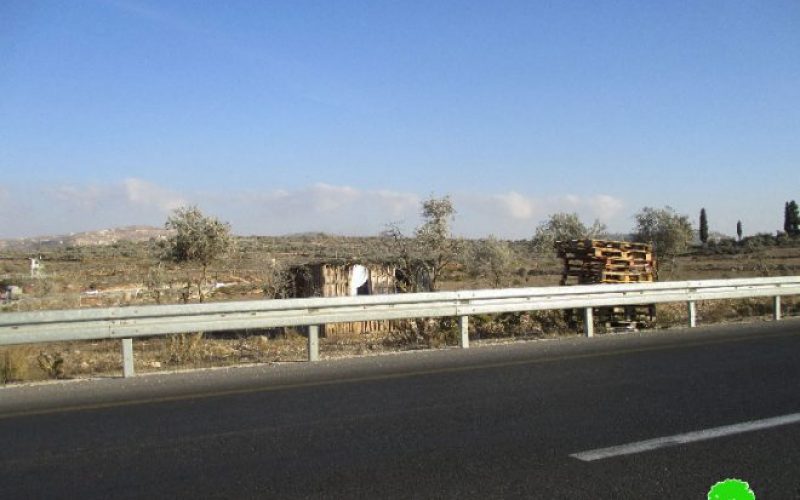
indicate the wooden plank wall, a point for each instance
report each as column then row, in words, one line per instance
column 334, row 281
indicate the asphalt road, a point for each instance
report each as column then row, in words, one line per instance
column 493, row 422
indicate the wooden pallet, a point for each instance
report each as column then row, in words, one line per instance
column 615, row 317
column 601, row 261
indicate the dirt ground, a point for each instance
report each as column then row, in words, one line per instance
column 103, row 277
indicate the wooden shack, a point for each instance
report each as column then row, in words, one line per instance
column 343, row 280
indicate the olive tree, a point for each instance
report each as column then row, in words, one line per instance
column 434, row 239
column 276, row 280
column 669, row 232
column 403, row 252
column 491, row 258
column 423, row 257
column 564, row 227
column 198, row 239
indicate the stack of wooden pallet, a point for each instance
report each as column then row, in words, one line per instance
column 602, row 261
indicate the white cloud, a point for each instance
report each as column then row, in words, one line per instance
column 324, row 207
column 349, row 210
column 518, row 206
column 80, row 197
column 319, row 207
column 397, row 204
column 515, row 215
column 149, row 195
column 605, row 206
column 572, row 200
column 67, row 208
column 132, row 193
column 325, row 198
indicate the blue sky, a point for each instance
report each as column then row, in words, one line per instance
column 341, row 116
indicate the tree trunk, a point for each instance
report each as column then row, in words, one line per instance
column 201, row 284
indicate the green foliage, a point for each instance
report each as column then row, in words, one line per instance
column 126, row 248
column 564, row 227
column 155, row 281
column 490, row 258
column 758, row 241
column 51, row 364
column 739, row 230
column 433, row 239
column 423, row 257
column 703, row 226
column 791, row 219
column 669, row 232
column 276, row 281
column 197, row 238
column 403, row 252
column 722, row 246
column 437, row 213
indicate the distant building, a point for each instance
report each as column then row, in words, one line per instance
column 36, row 267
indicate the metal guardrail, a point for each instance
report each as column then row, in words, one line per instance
column 125, row 323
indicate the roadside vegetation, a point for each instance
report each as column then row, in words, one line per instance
column 201, row 261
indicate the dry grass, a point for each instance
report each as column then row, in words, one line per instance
column 719, row 311
column 537, row 324
column 15, row 365
column 61, row 360
column 198, row 350
column 125, row 275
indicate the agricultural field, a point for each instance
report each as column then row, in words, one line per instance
column 130, row 273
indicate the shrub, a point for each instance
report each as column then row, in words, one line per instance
column 197, row 239
column 723, row 246
column 51, row 364
column 669, row 231
column 185, row 347
column 757, row 241
column 563, row 227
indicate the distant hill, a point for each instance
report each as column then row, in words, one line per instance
column 100, row 237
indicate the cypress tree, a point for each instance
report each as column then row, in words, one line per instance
column 739, row 229
column 792, row 224
column 703, row 226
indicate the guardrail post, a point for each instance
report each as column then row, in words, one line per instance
column 127, row 358
column 588, row 322
column 692, row 313
column 776, row 308
column 463, row 328
column 313, row 343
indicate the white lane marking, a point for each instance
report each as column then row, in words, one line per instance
column 689, row 437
